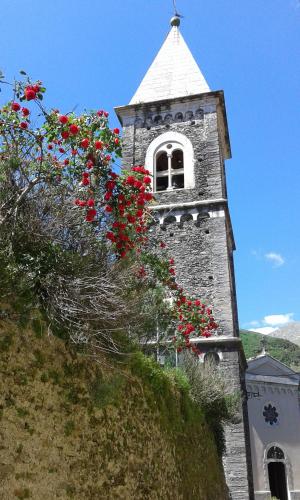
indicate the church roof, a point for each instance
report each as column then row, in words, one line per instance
column 265, row 368
column 173, row 73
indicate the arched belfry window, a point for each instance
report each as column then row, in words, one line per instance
column 169, row 168
column 170, row 159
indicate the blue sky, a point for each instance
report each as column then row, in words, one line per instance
column 93, row 54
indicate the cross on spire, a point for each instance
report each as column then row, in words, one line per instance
column 175, row 10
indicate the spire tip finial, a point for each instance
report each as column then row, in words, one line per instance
column 175, row 21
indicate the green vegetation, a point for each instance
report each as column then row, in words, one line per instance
column 80, row 429
column 283, row 350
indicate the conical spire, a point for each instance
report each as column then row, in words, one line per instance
column 173, row 73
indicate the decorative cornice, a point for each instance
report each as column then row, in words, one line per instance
column 189, row 204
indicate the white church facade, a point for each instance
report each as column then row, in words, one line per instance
column 274, row 421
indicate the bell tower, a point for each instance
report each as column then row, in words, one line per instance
column 177, row 127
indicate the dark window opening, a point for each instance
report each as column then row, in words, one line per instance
column 178, row 181
column 161, row 183
column 177, row 159
column 162, row 162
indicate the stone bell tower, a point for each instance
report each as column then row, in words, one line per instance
column 177, row 127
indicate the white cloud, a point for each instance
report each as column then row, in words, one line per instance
column 270, row 323
column 265, row 330
column 278, row 319
column 275, row 258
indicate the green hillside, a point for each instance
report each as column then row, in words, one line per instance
column 283, row 350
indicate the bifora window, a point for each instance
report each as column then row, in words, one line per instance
column 169, row 168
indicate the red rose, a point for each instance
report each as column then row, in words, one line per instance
column 106, row 114
column 66, row 161
column 36, row 88
column 65, row 134
column 108, row 208
column 117, row 141
column 92, row 212
column 74, row 129
column 147, row 179
column 91, row 203
column 162, row 244
column 116, row 131
column 15, row 106
column 61, row 150
column 25, row 111
column 110, row 236
column 130, row 180
column 131, row 218
column 98, row 145
column 84, row 143
column 100, row 112
column 63, row 119
column 50, row 146
column 85, row 181
column 30, row 94
column 108, row 196
column 24, row 125
column 110, row 185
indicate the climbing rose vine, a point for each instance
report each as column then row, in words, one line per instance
column 81, row 153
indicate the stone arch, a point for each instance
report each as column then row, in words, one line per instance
column 168, row 118
column 189, row 115
column 186, row 218
column 199, row 114
column 158, row 120
column 170, row 219
column 182, row 142
column 212, row 358
column 179, row 117
column 271, row 457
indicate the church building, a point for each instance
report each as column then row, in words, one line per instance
column 176, row 126
column 274, row 419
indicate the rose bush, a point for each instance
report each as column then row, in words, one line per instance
column 79, row 154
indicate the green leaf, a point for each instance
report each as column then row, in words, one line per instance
column 22, row 72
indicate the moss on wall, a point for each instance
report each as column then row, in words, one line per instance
column 74, row 428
